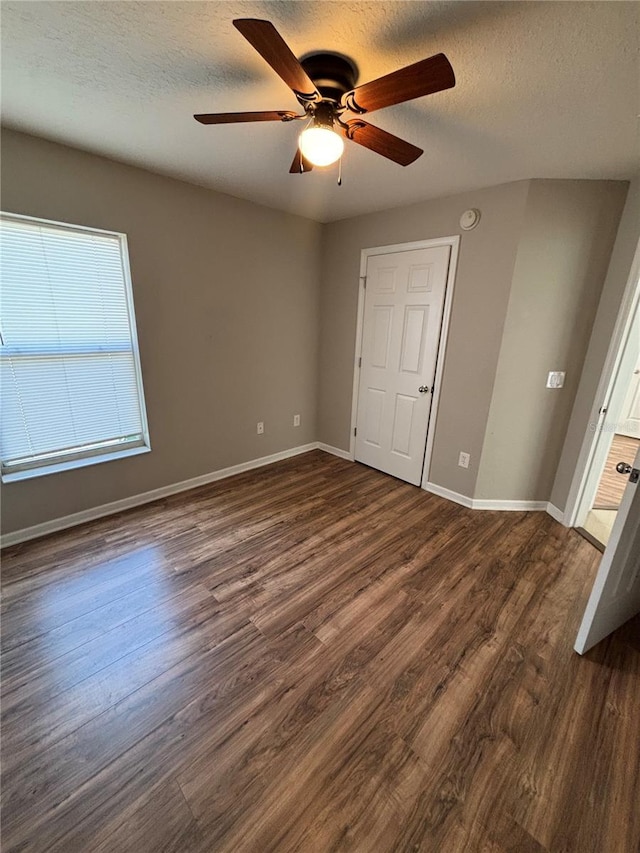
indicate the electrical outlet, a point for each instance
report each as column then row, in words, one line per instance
column 260, row 427
column 296, row 420
column 555, row 379
column 464, row 459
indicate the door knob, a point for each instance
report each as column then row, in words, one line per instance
column 623, row 468
column 423, row 389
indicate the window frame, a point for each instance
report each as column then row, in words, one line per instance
column 93, row 454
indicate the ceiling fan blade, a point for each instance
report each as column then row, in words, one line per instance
column 422, row 78
column 300, row 164
column 232, row 118
column 382, row 142
column 264, row 37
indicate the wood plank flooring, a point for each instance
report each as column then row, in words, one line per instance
column 314, row 657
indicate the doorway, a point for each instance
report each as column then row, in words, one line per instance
column 614, row 438
column 601, row 517
column 617, row 442
column 403, row 317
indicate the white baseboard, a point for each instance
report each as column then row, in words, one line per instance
column 510, row 506
column 456, row 497
column 335, row 451
column 556, row 513
column 85, row 515
column 482, row 504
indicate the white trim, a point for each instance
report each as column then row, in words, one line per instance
column 482, row 504
column 556, row 513
column 510, row 506
column 72, row 464
column 454, row 244
column 358, row 353
column 441, row 492
column 133, row 328
column 56, row 223
column 621, row 332
column 335, row 451
column 85, row 515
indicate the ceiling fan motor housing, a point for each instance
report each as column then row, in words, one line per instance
column 333, row 74
column 324, row 114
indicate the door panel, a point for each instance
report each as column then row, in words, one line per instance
column 382, row 322
column 386, row 280
column 404, row 302
column 373, row 416
column 416, row 319
column 403, row 424
column 419, row 278
column 615, row 596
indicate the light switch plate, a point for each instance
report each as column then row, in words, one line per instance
column 555, row 379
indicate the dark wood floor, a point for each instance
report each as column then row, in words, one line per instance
column 314, row 657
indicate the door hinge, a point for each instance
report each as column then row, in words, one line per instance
column 355, row 430
column 363, row 279
column 360, row 362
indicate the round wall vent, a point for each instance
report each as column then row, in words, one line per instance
column 469, row 219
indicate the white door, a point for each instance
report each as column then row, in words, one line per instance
column 615, row 596
column 630, row 417
column 404, row 301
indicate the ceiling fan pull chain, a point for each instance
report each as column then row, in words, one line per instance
column 340, row 171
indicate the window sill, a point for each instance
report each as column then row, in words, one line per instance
column 31, row 473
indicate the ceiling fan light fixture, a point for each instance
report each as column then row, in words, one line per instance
column 321, row 145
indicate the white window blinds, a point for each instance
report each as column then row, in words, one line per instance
column 71, row 384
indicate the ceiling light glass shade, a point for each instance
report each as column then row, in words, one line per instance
column 321, row 146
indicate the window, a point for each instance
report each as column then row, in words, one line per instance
column 69, row 366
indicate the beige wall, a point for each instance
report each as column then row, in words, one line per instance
column 483, row 281
column 567, row 236
column 245, row 314
column 226, row 298
column 617, row 276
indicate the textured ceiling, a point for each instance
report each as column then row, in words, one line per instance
column 545, row 90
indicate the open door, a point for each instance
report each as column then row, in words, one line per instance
column 615, row 596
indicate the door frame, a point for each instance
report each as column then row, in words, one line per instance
column 454, row 245
column 597, row 442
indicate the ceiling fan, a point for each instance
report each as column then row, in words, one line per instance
column 325, row 86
